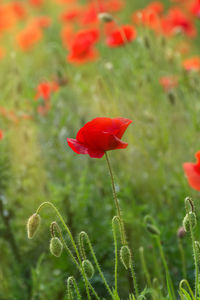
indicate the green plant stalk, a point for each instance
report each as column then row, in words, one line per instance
column 123, row 235
column 195, row 258
column 122, row 230
column 182, row 258
column 116, row 252
column 97, row 264
column 144, row 267
column 165, row 265
column 74, row 260
column 134, row 281
column 188, row 286
column 71, row 238
column 75, row 287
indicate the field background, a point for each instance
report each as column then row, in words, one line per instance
column 37, row 165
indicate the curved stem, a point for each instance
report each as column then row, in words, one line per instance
column 71, row 238
column 71, row 280
column 123, row 235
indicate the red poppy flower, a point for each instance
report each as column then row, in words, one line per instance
column 168, row 82
column 100, row 135
column 121, row 36
column 192, row 171
column 1, row 134
column 195, row 8
column 177, row 21
column 192, row 64
column 81, row 48
column 28, row 37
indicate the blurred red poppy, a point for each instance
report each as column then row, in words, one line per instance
column 1, row 134
column 192, row 171
column 81, row 48
column 121, row 36
column 168, row 83
column 28, row 37
column 192, row 64
column 195, row 8
column 177, row 21
column 100, row 135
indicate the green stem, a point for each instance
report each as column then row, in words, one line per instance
column 96, row 262
column 71, row 280
column 165, row 265
column 123, row 235
column 115, row 243
column 195, row 258
column 144, row 267
column 188, row 286
column 71, row 238
column 182, row 258
column 134, row 281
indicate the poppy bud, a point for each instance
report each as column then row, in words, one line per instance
column 33, row 225
column 189, row 205
column 88, row 268
column 181, row 232
column 190, row 218
column 56, row 246
column 125, row 256
column 152, row 229
column 105, row 17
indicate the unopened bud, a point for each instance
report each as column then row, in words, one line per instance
column 152, row 229
column 88, row 268
column 105, row 17
column 33, row 225
column 125, row 256
column 56, row 246
column 189, row 219
column 181, row 232
column 189, row 204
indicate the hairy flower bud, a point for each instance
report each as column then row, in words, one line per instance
column 152, row 229
column 190, row 218
column 125, row 256
column 105, row 17
column 56, row 246
column 88, row 268
column 33, row 225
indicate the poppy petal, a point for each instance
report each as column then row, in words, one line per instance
column 77, row 147
column 193, row 175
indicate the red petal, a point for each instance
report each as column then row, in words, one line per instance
column 77, row 147
column 193, row 175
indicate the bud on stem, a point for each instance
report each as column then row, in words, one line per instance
column 33, row 225
column 56, row 246
column 125, row 256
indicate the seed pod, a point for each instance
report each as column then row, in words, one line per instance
column 189, row 218
column 105, row 17
column 125, row 256
column 152, row 229
column 88, row 268
column 33, row 225
column 56, row 246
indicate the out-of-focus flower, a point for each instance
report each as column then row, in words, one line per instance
column 120, row 36
column 100, row 135
column 192, row 172
column 29, row 37
column 150, row 16
column 192, row 64
column 177, row 21
column 42, row 21
column 168, row 83
column 43, row 94
column 1, row 134
column 195, row 8
column 36, row 3
column 19, row 9
column 81, row 49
